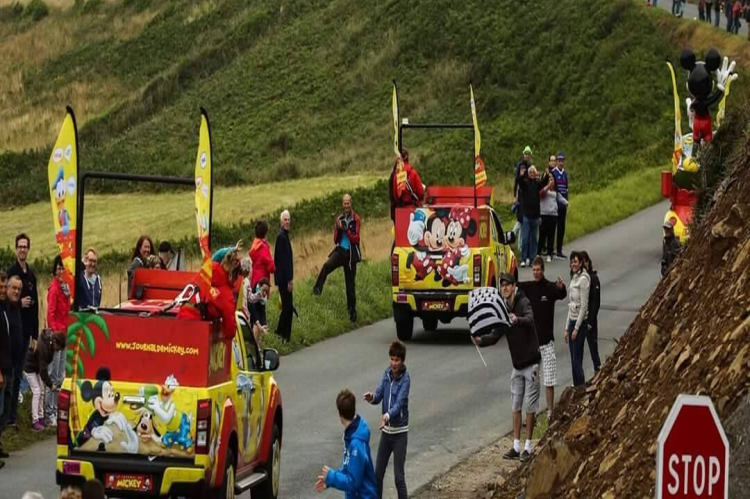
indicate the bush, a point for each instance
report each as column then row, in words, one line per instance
column 92, row 6
column 36, row 9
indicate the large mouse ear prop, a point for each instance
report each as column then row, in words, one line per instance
column 687, row 59
column 713, row 60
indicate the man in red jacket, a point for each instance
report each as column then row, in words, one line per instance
column 346, row 254
column 405, row 185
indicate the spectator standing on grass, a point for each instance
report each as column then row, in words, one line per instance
column 525, row 163
column 561, row 185
column 530, row 186
column 728, row 13
column 356, row 477
column 524, row 354
column 393, row 393
column 346, row 254
column 263, row 267
column 29, row 303
column 283, row 258
column 595, row 301
column 19, row 345
column 91, row 281
column 578, row 307
column 736, row 16
column 550, row 200
column 6, row 363
column 58, row 308
column 717, row 12
column 543, row 294
column 36, row 370
column 702, row 10
column 139, row 259
column 709, row 7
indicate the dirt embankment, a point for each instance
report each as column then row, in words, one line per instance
column 692, row 336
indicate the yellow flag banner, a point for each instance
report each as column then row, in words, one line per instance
column 203, row 194
column 480, row 174
column 62, row 173
column 677, row 151
column 400, row 171
column 722, row 104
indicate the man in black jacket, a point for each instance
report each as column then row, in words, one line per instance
column 530, row 186
column 543, row 294
column 29, row 302
column 524, row 353
column 346, row 254
column 283, row 258
column 6, row 363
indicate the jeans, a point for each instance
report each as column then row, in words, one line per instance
column 395, row 444
column 37, row 397
column 736, row 27
column 547, row 235
column 6, row 392
column 675, row 7
column 17, row 375
column 56, row 371
column 340, row 258
column 730, row 19
column 592, row 338
column 717, row 16
column 708, row 13
column 576, row 352
column 529, row 233
column 562, row 215
column 284, row 328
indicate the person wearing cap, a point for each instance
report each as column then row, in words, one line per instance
column 561, row 184
column 524, row 354
column 670, row 248
column 530, row 187
column 523, row 163
column 171, row 260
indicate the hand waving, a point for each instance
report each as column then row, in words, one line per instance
column 724, row 73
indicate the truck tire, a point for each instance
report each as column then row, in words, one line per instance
column 227, row 488
column 404, row 322
column 269, row 488
column 430, row 323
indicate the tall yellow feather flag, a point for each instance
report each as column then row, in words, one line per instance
column 203, row 202
column 62, row 173
column 722, row 104
column 480, row 174
column 677, row 151
column 400, row 171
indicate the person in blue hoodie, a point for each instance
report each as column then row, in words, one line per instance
column 393, row 393
column 356, row 477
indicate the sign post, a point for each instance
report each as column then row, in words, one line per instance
column 692, row 460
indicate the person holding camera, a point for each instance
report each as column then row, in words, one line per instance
column 346, row 254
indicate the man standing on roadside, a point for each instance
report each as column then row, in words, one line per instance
column 529, row 186
column 283, row 258
column 346, row 254
column 91, row 282
column 525, row 356
column 561, row 184
column 543, row 294
column 523, row 163
column 6, row 364
column 29, row 302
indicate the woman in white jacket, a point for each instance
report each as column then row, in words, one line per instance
column 578, row 309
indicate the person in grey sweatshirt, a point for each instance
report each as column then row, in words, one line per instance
column 578, row 309
column 550, row 198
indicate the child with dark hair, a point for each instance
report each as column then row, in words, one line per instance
column 393, row 392
column 356, row 477
column 36, row 371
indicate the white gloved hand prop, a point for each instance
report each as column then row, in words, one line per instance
column 118, row 420
column 690, row 112
column 464, row 251
column 103, row 434
column 131, row 443
column 460, row 273
column 416, row 227
column 724, row 73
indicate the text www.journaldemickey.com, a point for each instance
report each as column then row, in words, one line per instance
column 156, row 348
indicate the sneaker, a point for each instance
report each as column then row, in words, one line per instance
column 353, row 315
column 525, row 455
column 528, row 263
column 549, row 258
column 523, row 264
column 50, row 423
column 562, row 256
column 3, row 454
column 20, row 398
column 37, row 426
column 511, row 454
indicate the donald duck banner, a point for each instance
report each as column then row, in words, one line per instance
column 62, row 173
column 204, row 201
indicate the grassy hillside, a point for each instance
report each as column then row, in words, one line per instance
column 299, row 89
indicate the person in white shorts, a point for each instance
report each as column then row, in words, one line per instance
column 543, row 294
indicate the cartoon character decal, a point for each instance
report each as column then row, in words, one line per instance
column 61, row 191
column 176, row 429
column 146, row 430
column 439, row 241
column 105, row 401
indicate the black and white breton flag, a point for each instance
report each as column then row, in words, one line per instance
column 487, row 309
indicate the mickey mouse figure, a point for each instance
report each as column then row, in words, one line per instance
column 700, row 85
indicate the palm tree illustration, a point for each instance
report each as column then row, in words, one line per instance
column 77, row 331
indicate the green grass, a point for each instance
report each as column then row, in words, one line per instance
column 22, row 436
column 587, row 78
column 541, row 426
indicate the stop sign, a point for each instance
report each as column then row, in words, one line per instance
column 693, row 456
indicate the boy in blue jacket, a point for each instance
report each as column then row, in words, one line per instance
column 393, row 392
column 356, row 477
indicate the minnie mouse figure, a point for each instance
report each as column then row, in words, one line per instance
column 700, row 85
column 460, row 225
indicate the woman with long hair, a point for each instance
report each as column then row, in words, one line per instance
column 578, row 307
column 143, row 249
column 595, row 300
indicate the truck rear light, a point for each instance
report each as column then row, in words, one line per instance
column 203, row 425
column 477, row 270
column 63, row 412
column 394, row 270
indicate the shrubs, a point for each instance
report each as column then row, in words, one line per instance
column 36, row 10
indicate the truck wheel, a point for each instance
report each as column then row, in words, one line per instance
column 429, row 323
column 269, row 488
column 404, row 322
column 227, row 488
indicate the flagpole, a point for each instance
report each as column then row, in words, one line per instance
column 480, row 355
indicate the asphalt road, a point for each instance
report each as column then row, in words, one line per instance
column 457, row 406
column 691, row 12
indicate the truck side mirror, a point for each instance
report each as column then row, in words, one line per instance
column 270, row 359
column 510, row 237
